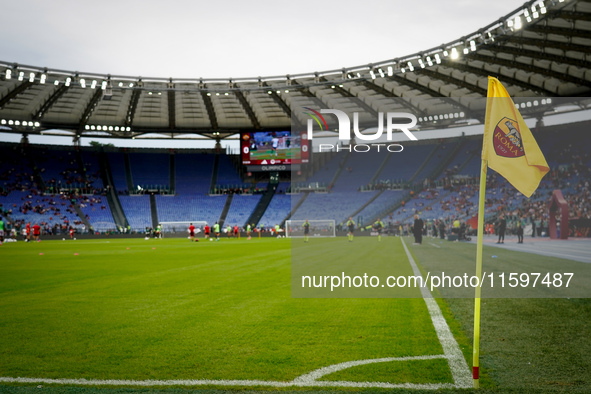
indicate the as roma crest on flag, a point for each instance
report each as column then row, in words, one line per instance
column 507, row 139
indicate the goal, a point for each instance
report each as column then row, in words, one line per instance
column 318, row 228
column 181, row 229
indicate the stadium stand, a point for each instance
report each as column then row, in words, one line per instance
column 241, row 208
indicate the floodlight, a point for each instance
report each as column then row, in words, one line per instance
column 518, row 23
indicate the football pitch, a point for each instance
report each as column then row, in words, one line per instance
column 171, row 313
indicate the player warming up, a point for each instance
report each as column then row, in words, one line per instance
column 1, row 231
column 306, row 227
column 216, row 230
column 379, row 226
column 37, row 232
column 192, row 233
column 351, row 227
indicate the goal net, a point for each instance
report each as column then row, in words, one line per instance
column 181, row 229
column 318, row 228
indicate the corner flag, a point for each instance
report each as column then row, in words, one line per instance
column 509, row 146
column 510, row 149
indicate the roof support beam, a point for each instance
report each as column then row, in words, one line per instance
column 50, row 101
column 346, row 93
column 386, row 93
column 513, row 81
column 537, row 55
column 295, row 121
column 561, row 31
column 572, row 16
column 98, row 94
column 171, row 109
column 455, row 81
column 528, row 67
column 248, row 109
column 135, row 97
column 15, row 92
column 210, row 111
column 432, row 93
column 545, row 43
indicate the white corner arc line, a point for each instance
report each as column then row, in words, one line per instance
column 457, row 363
column 320, row 372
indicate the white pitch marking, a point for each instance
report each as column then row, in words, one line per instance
column 435, row 246
column 318, row 373
column 457, row 363
column 207, row 382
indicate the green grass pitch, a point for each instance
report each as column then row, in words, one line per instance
column 172, row 309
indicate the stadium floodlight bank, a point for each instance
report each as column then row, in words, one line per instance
column 318, row 228
column 181, row 229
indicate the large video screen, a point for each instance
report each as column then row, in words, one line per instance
column 274, row 147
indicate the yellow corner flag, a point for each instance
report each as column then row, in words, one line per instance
column 510, row 149
column 509, row 146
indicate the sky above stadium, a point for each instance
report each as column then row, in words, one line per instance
column 222, row 39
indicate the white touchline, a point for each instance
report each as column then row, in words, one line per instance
column 457, row 363
column 206, row 382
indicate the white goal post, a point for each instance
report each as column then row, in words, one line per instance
column 318, row 228
column 181, row 229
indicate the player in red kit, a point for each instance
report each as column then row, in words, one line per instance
column 192, row 232
column 236, row 230
column 28, row 229
column 206, row 231
column 36, row 232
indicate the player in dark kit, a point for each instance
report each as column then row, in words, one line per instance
column 351, row 227
column 306, row 227
column 502, row 227
column 519, row 233
column 417, row 230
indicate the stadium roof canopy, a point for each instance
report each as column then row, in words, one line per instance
column 540, row 50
